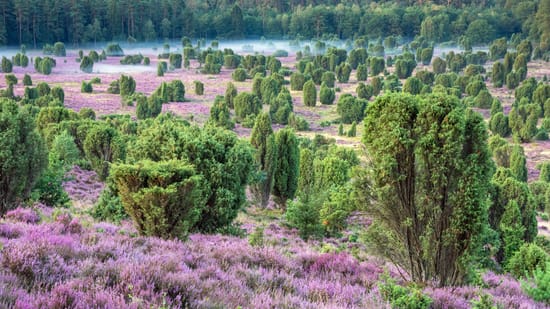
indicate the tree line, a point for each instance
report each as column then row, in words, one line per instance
column 36, row 23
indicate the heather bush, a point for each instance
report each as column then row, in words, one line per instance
column 24, row 215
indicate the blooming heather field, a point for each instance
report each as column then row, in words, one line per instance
column 100, row 265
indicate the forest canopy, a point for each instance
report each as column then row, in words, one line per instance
column 44, row 22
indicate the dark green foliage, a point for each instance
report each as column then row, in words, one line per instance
column 499, row 74
column 413, row 85
column 211, row 66
column 483, row 99
column 518, row 165
column 426, row 55
column 22, row 153
column 439, row 65
column 328, row 78
column 270, row 88
column 146, row 61
column 474, row 87
column 403, row 297
column 499, row 124
column 343, row 72
column 230, row 94
column 58, row 93
column 425, row 76
column 114, row 87
column 377, row 65
column 102, row 146
column 164, row 199
column 27, row 81
column 10, row 79
column 392, row 83
column 127, row 85
column 310, row 94
column 114, row 50
column 297, row 81
column 362, row 72
column 160, row 68
column 199, row 87
column 246, row 104
column 287, row 166
column 525, row 48
column 511, row 230
column 109, row 207
column 526, row 260
column 297, row 123
column 280, row 109
column 86, row 113
column 404, row 66
column 94, row 56
column 239, row 75
column 377, row 85
column 86, row 64
column 86, row 87
column 350, row 108
column 43, row 89
column 498, row 49
column 129, row 59
column 148, row 107
column 405, row 136
column 520, row 66
column 220, row 115
column 326, row 94
column 304, row 215
column 225, row 163
column 231, row 61
column 545, row 172
column 364, row 91
column 175, row 61
column 352, row 132
column 7, row 66
column 263, row 140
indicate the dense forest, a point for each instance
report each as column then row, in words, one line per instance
column 35, row 23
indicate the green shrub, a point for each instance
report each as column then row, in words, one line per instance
column 246, row 104
column 310, row 94
column 239, row 75
column 305, row 217
column 256, row 238
column 86, row 65
column 298, row 123
column 362, row 72
column 27, row 81
column 164, row 199
column 350, row 108
column 403, row 297
column 199, row 87
column 326, row 95
column 539, row 287
column 49, row 188
column 526, row 260
column 297, row 81
column 352, row 132
column 109, row 207
column 86, row 87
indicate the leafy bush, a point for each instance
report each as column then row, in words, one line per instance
column 239, row 75
column 246, row 104
column 86, row 64
column 527, row 260
column 114, row 50
column 326, row 95
column 403, row 297
column 163, row 199
column 199, row 87
column 86, row 87
column 297, row 81
column 109, row 207
column 350, row 108
column 27, row 81
column 310, row 94
column 539, row 287
column 305, row 217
